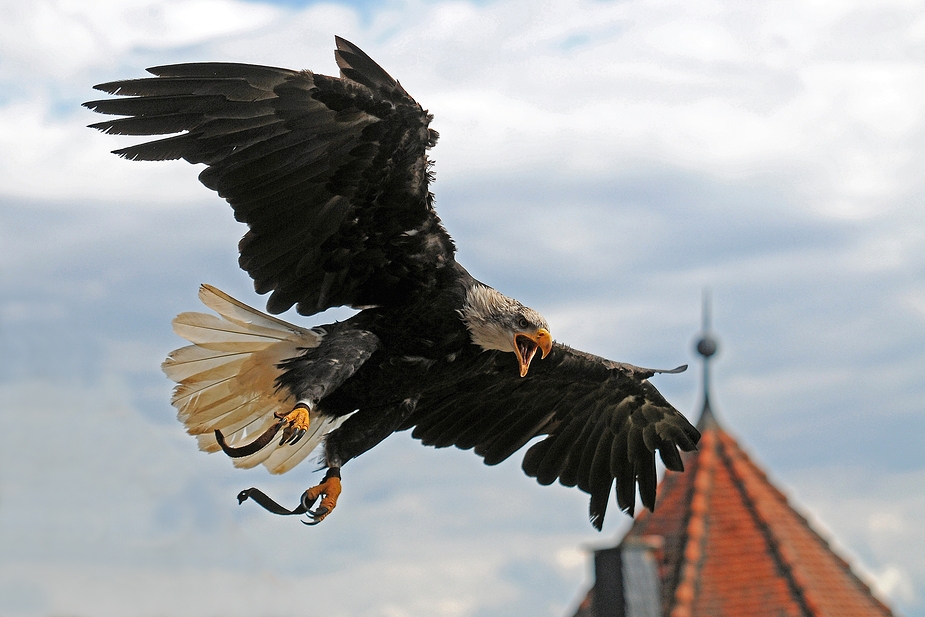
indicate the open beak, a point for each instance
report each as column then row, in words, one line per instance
column 525, row 346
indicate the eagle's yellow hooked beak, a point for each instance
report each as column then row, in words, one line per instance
column 526, row 344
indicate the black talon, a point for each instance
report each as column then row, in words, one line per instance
column 316, row 515
column 322, row 511
column 297, row 437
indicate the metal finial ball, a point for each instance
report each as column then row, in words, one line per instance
column 706, row 347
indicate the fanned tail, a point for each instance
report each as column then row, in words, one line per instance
column 226, row 380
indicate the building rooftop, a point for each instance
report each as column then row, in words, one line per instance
column 724, row 542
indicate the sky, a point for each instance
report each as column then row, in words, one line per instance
column 771, row 152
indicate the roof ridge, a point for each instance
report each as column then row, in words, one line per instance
column 738, row 462
column 695, row 530
column 742, row 460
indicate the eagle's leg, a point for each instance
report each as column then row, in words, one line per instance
column 330, row 490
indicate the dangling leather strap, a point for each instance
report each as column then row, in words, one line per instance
column 261, row 498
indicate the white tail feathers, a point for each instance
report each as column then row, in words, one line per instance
column 226, row 380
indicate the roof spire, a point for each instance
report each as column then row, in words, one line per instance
column 706, row 347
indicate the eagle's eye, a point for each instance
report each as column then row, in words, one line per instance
column 522, row 322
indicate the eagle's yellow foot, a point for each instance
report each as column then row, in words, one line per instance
column 295, row 424
column 330, row 488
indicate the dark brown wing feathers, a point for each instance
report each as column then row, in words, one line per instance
column 602, row 422
column 330, row 174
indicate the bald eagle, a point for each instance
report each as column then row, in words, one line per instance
column 332, row 178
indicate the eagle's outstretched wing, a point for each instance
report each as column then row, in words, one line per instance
column 603, row 422
column 330, row 174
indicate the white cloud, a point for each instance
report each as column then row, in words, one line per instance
column 54, row 39
column 705, row 88
column 54, row 50
column 893, row 581
column 881, row 523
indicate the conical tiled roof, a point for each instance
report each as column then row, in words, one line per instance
column 726, row 543
column 732, row 545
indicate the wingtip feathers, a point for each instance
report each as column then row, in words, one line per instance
column 355, row 65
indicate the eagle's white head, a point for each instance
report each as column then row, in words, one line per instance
column 497, row 322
